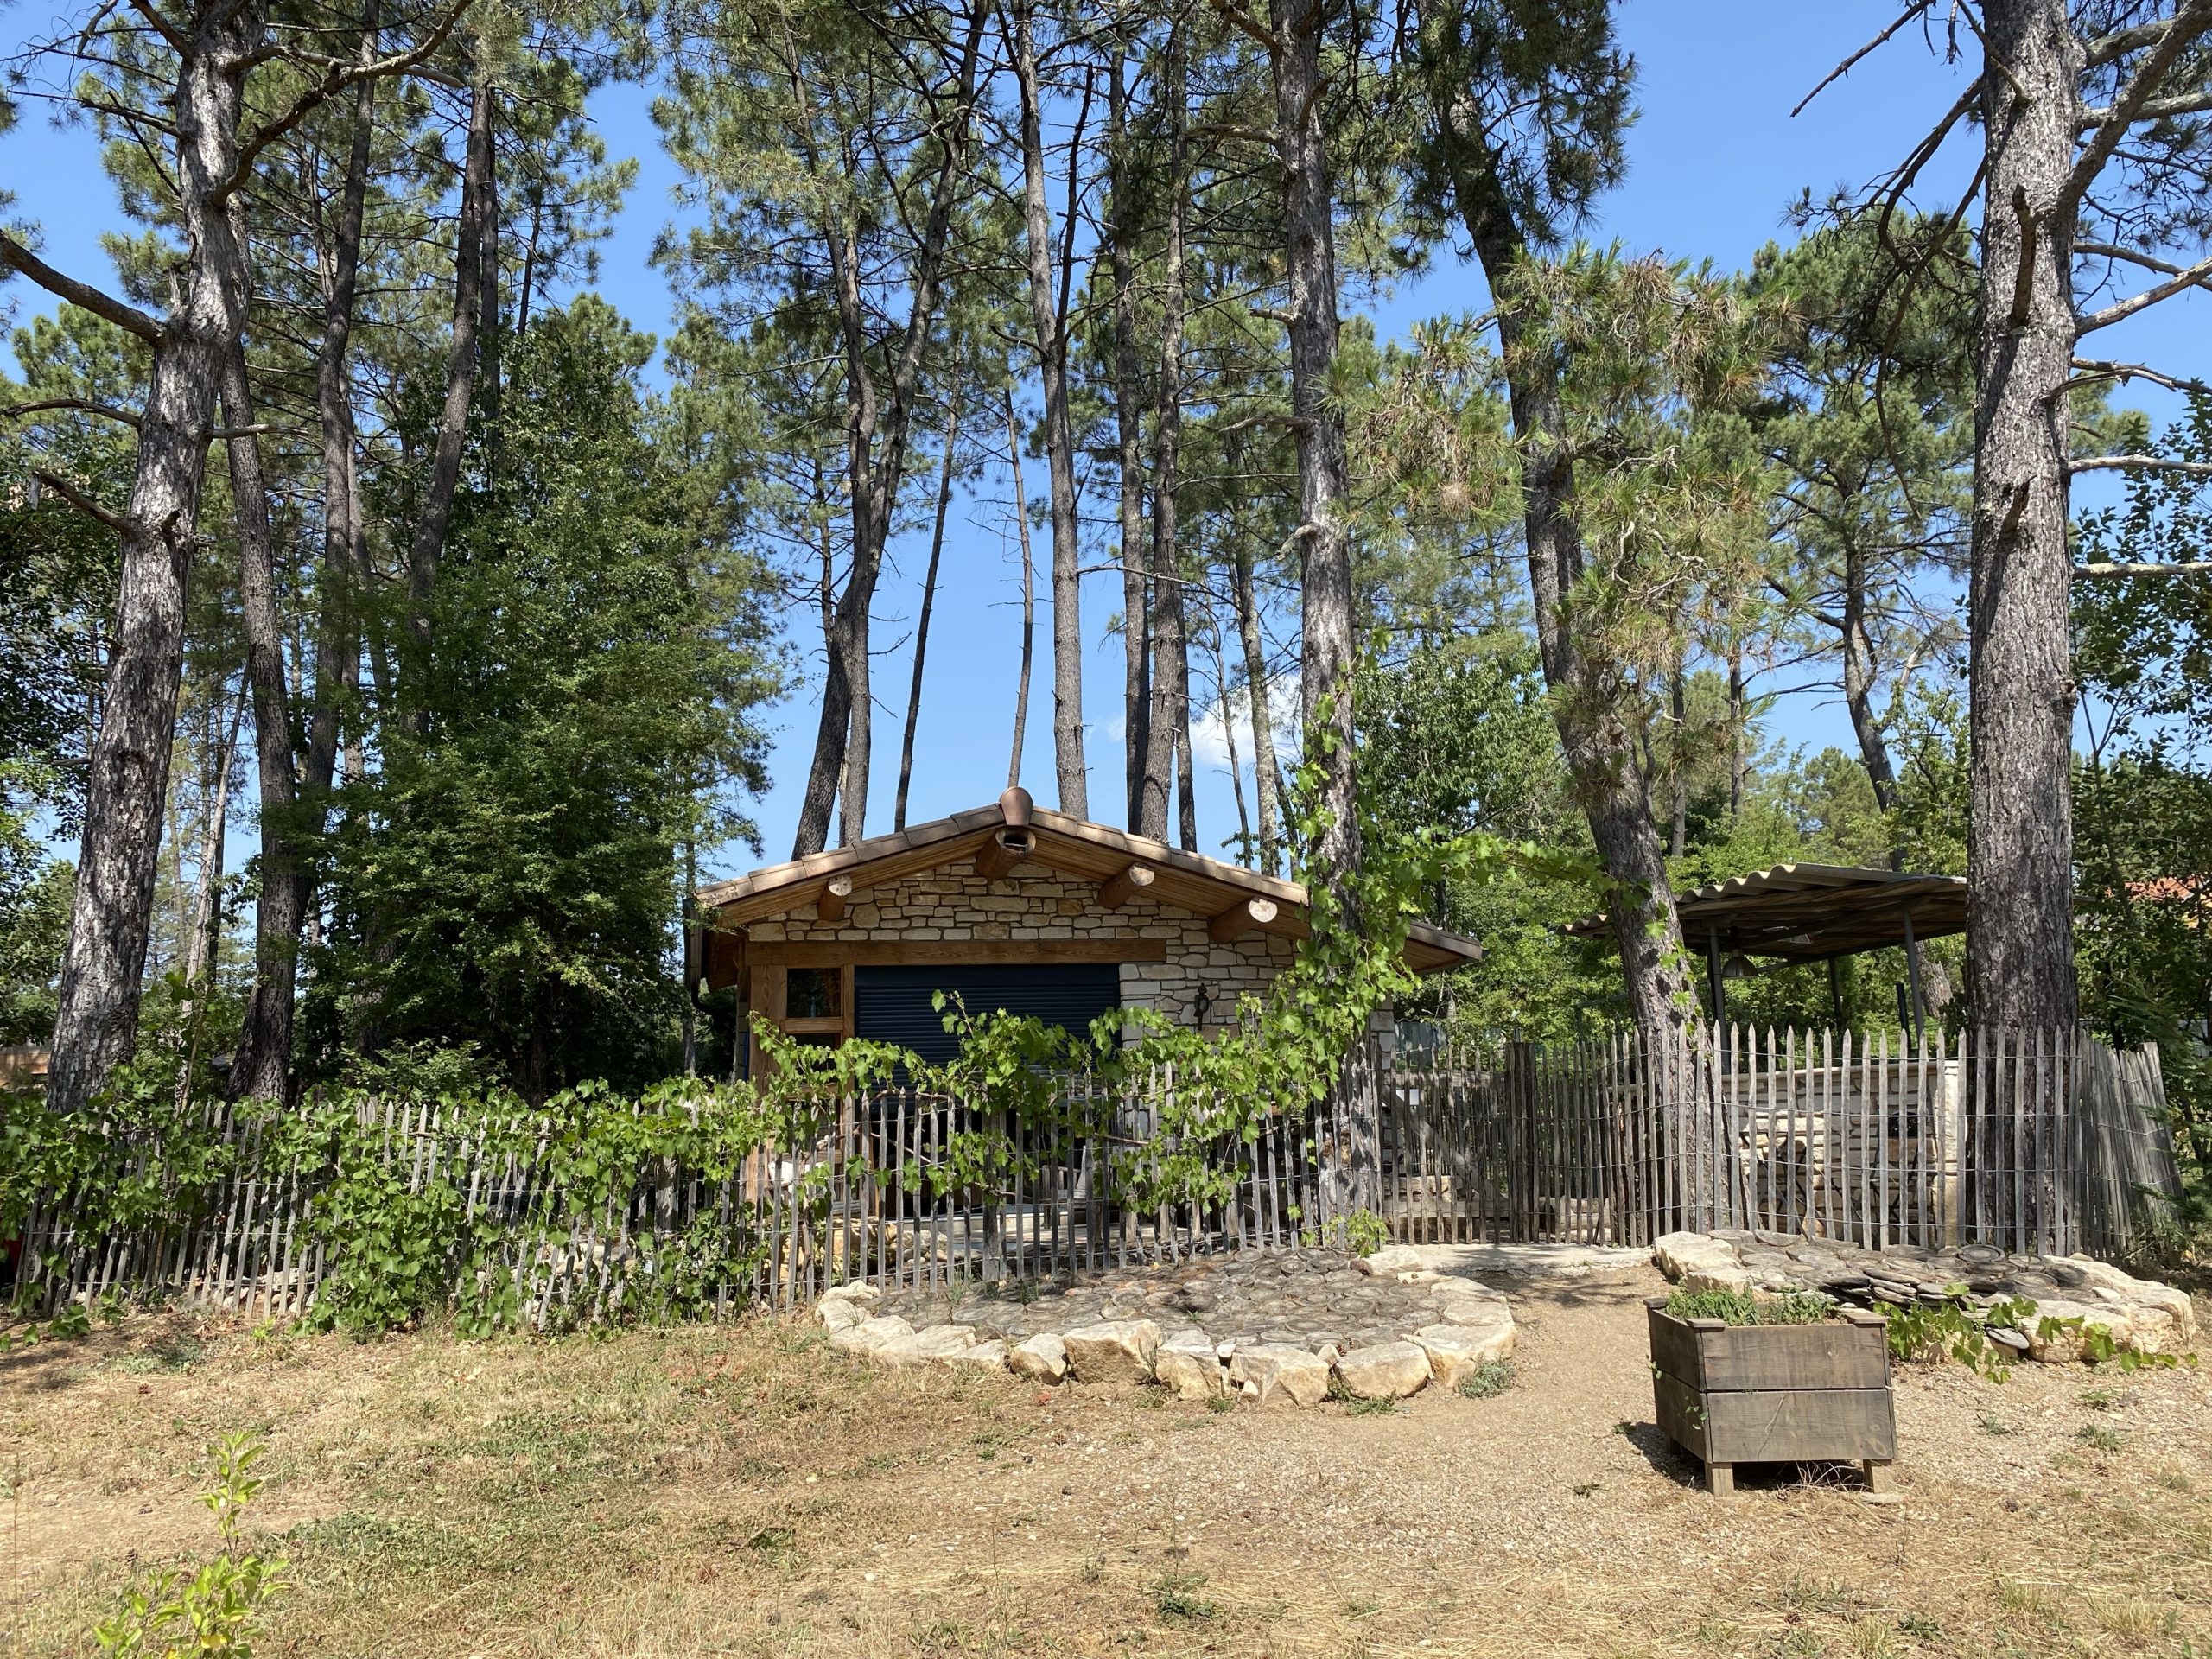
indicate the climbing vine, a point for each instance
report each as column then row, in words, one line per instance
column 397, row 1186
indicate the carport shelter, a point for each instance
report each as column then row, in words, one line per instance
column 1014, row 907
column 1811, row 912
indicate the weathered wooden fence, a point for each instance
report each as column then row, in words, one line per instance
column 2031, row 1142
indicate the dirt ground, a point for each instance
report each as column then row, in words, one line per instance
column 744, row 1490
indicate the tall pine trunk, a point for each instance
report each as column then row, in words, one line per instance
column 876, row 432
column 434, row 518
column 929, row 602
column 1267, row 774
column 2019, row 849
column 1326, row 657
column 261, row 1070
column 1136, row 593
column 1045, row 317
column 345, row 572
column 127, row 774
column 1168, row 725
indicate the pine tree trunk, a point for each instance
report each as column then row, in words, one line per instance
column 1326, row 656
column 929, row 602
column 1136, row 600
column 1599, row 747
column 1168, row 723
column 1067, row 759
column 875, row 458
column 128, row 771
column 434, row 518
column 204, row 930
column 1860, row 672
column 344, row 574
column 2019, row 908
column 1267, row 775
column 1028, row 597
column 261, row 1070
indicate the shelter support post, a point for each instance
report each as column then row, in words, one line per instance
column 1912, row 973
column 1716, row 996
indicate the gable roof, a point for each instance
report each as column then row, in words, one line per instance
column 1075, row 847
column 1809, row 913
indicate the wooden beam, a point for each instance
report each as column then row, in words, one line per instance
column 1004, row 849
column 1117, row 890
column 830, row 906
column 1239, row 919
column 724, row 951
column 950, row 953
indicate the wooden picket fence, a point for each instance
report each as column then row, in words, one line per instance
column 2037, row 1142
column 2030, row 1141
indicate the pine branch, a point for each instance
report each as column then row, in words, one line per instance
column 129, row 318
column 18, row 411
column 2140, row 464
column 2194, row 276
column 2189, row 20
column 84, row 504
column 1849, row 63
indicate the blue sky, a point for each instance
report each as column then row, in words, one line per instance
column 1715, row 159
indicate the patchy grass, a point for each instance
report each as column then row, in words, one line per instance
column 744, row 1491
column 1487, row 1380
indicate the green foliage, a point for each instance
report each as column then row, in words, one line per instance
column 1487, row 1380
column 1741, row 1307
column 1175, row 1596
column 509, row 876
column 209, row 1612
column 1365, row 1232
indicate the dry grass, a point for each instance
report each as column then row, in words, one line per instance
column 747, row 1491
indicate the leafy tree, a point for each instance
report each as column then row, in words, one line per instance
column 508, row 877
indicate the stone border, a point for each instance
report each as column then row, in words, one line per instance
column 1462, row 1326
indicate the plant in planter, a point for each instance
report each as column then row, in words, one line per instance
column 1793, row 1379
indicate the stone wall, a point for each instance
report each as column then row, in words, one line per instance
column 1035, row 902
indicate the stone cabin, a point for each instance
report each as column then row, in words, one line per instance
column 1014, row 907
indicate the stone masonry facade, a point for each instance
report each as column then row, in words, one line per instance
column 1035, row 902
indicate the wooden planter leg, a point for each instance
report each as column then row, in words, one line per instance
column 1879, row 1477
column 1720, row 1479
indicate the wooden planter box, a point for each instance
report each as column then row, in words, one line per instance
column 1775, row 1392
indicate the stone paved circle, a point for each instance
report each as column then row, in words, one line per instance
column 1294, row 1316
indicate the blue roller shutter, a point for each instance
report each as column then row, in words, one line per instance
column 895, row 1005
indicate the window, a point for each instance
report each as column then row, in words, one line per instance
column 815, row 993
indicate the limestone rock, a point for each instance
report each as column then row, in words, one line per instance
column 1455, row 1350
column 1187, row 1363
column 870, row 1334
column 1113, row 1350
column 1043, row 1359
column 1700, row 1262
column 840, row 1313
column 1475, row 1305
column 1390, row 1261
column 1270, row 1370
column 923, row 1347
column 981, row 1356
column 1390, row 1370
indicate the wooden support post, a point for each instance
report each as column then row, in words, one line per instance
column 1004, row 849
column 1718, row 997
column 1879, row 1478
column 1238, row 920
column 830, row 906
column 1117, row 890
column 1720, row 1479
column 1912, row 968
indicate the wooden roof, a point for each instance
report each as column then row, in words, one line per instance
column 1809, row 913
column 1075, row 847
